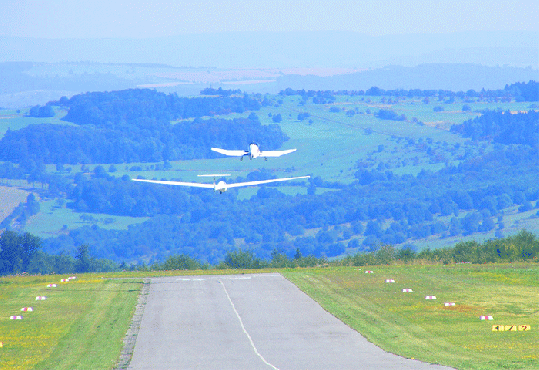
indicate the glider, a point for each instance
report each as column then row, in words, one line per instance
column 253, row 152
column 221, row 186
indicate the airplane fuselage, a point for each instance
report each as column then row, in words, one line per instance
column 221, row 187
column 254, row 151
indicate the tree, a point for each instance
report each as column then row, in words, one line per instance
column 38, row 111
column 83, row 259
column 181, row 262
column 242, row 260
column 32, row 205
column 406, row 254
column 17, row 251
column 373, row 228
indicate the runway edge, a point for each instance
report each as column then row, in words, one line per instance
column 130, row 338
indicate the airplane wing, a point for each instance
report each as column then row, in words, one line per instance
column 233, row 153
column 250, row 183
column 275, row 153
column 181, row 183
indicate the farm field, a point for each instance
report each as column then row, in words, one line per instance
column 11, row 198
column 89, row 316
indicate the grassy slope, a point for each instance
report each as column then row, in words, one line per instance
column 409, row 325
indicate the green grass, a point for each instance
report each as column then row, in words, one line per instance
column 15, row 121
column 411, row 326
column 52, row 218
column 81, row 324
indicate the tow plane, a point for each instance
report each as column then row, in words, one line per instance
column 221, row 186
column 253, row 152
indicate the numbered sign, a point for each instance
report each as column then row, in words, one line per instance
column 511, row 327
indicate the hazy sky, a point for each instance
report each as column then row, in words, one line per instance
column 145, row 19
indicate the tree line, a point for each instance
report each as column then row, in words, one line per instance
column 523, row 246
column 122, row 106
column 20, row 253
column 520, row 91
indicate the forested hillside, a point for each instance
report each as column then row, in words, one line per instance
column 135, row 126
column 408, row 179
column 503, row 127
column 117, row 108
column 382, row 207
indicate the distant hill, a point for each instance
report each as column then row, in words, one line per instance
column 24, row 84
column 439, row 76
column 286, row 49
column 34, row 71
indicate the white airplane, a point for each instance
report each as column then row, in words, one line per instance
column 221, row 186
column 254, row 152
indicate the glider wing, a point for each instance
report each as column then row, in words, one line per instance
column 232, row 153
column 251, row 183
column 180, row 183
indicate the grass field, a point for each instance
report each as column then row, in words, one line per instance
column 427, row 330
column 82, row 323
column 53, row 220
column 15, row 121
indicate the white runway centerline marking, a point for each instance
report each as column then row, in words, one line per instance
column 244, row 330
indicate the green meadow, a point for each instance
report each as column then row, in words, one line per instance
column 83, row 322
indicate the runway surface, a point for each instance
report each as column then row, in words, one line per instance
column 259, row 321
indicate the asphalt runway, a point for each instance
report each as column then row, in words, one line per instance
column 259, row 321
